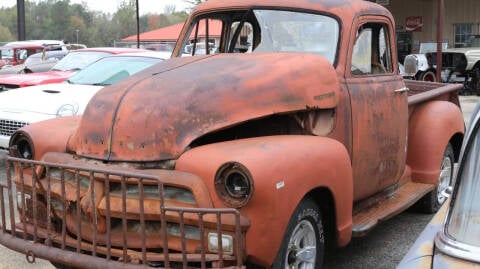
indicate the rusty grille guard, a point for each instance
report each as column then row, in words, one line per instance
column 67, row 247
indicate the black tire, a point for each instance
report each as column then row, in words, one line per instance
column 433, row 200
column 428, row 75
column 304, row 235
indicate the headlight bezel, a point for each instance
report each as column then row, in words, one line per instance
column 21, row 146
column 234, row 184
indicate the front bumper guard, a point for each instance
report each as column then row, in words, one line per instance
column 32, row 224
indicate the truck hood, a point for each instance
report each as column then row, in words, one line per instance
column 23, row 80
column 155, row 114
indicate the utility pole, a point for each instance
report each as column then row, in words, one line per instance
column 138, row 27
column 440, row 10
column 21, row 19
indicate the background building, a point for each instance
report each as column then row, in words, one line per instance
column 416, row 22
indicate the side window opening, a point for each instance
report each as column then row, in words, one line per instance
column 204, row 38
column 371, row 52
column 244, row 42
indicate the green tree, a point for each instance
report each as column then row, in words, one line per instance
column 5, row 34
column 124, row 20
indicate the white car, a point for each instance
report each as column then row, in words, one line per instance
column 26, row 105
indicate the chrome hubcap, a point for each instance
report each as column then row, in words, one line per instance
column 445, row 178
column 302, row 247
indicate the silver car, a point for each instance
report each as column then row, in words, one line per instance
column 452, row 238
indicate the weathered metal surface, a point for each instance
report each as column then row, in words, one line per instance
column 192, row 115
column 434, row 119
column 159, row 117
column 66, row 223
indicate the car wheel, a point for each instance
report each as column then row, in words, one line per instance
column 431, row 202
column 428, row 75
column 303, row 243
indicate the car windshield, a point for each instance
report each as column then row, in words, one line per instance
column 463, row 223
column 262, row 30
column 110, row 70
column 78, row 60
column 40, row 57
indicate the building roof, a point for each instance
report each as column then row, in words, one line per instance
column 171, row 33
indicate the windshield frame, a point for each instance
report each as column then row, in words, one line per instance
column 226, row 17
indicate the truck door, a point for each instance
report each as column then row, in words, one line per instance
column 379, row 108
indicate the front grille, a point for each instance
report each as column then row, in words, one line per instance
column 6, row 87
column 8, row 127
column 110, row 224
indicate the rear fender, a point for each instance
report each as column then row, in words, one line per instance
column 431, row 126
column 284, row 169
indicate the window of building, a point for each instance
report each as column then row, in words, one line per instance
column 462, row 33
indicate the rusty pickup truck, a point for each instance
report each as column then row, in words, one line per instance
column 287, row 132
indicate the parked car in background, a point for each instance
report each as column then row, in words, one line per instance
column 70, row 97
column 419, row 67
column 452, row 238
column 41, row 42
column 71, row 63
column 459, row 65
column 15, row 54
column 38, row 62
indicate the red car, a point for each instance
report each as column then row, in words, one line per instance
column 72, row 62
column 16, row 54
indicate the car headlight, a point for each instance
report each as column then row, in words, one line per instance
column 67, row 110
column 21, row 146
column 234, row 184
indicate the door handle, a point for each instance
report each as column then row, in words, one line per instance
column 404, row 89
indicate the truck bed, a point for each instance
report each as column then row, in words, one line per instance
column 422, row 91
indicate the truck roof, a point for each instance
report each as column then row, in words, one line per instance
column 345, row 9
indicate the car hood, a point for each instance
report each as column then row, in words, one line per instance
column 23, row 80
column 46, row 99
column 157, row 113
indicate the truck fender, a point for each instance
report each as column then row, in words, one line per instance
column 430, row 128
column 284, row 170
column 47, row 135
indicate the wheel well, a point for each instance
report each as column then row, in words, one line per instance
column 324, row 199
column 456, row 142
column 477, row 65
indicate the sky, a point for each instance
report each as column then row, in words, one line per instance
column 110, row 6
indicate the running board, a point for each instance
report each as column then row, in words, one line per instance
column 404, row 197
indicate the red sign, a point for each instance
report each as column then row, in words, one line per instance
column 414, row 24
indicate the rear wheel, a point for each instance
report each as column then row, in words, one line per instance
column 431, row 202
column 303, row 244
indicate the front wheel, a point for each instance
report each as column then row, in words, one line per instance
column 431, row 202
column 428, row 75
column 303, row 244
